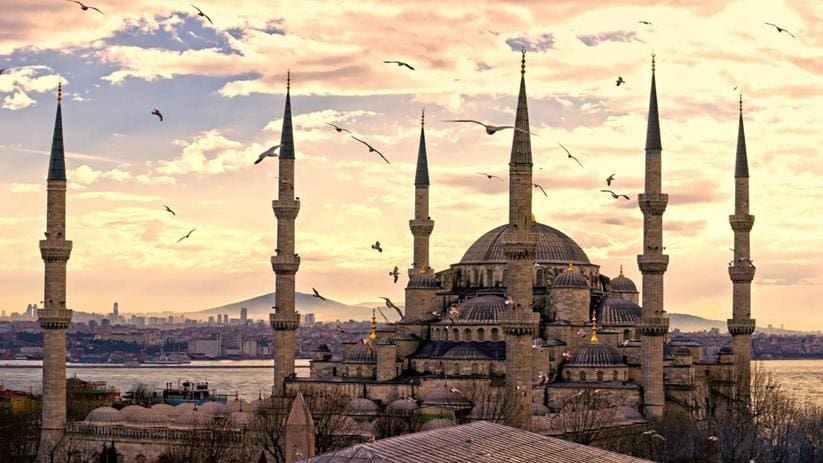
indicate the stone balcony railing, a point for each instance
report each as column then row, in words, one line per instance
column 55, row 250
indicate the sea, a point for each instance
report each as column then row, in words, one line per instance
column 250, row 379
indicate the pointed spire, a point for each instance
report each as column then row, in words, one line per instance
column 653, row 127
column 287, row 135
column 57, row 159
column 594, row 339
column 621, row 270
column 373, row 334
column 741, row 164
column 521, row 142
column 421, row 177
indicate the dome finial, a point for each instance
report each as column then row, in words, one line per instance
column 373, row 334
column 523, row 62
column 59, row 91
column 594, row 339
column 571, row 267
column 653, row 55
column 741, row 102
column 621, row 270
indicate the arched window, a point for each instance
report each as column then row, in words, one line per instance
column 467, row 334
column 495, row 334
column 491, row 368
column 426, row 367
column 481, row 334
column 568, row 375
column 626, row 335
column 374, row 372
column 614, row 375
column 505, row 277
column 489, row 277
column 334, row 371
column 346, row 372
column 474, row 277
column 582, row 376
column 456, row 369
column 359, row 372
column 440, row 368
column 540, row 279
column 445, row 334
column 456, row 334
column 475, row 369
column 599, row 376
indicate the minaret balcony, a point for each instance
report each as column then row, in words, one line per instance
column 54, row 319
column 284, row 321
column 653, row 263
column 742, row 222
column 55, row 250
column 653, row 326
column 741, row 327
column 421, row 227
column 286, row 208
column 741, row 272
column 520, row 322
column 654, row 204
column 286, row 265
column 519, row 244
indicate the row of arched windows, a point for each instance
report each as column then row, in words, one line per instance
column 465, row 334
column 456, row 368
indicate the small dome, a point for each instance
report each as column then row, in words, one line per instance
column 553, row 246
column 254, row 405
column 445, row 396
column 570, row 278
column 149, row 418
column 360, row 354
column 541, row 424
column 241, row 418
column 322, row 348
column 438, row 423
column 211, row 408
column 131, row 410
column 595, row 355
column 105, row 415
column 617, row 311
column 539, row 409
column 402, row 407
column 621, row 284
column 480, row 309
column 361, row 407
column 182, row 408
column 163, row 408
column 237, row 405
column 465, row 351
column 189, row 419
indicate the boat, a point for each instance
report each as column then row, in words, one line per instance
column 191, row 392
column 131, row 363
column 174, row 358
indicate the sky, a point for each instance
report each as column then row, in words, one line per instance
column 221, row 88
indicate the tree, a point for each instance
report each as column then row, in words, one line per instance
column 19, row 432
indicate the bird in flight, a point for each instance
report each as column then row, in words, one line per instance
column 169, row 209
column 399, row 63
column 317, row 295
column 200, row 13
column 490, row 176
column 376, row 246
column 620, row 81
column 645, row 22
column 609, row 180
column 156, row 112
column 615, row 195
column 3, row 70
column 188, row 235
column 339, row 129
column 371, row 149
column 395, row 273
column 269, row 153
column 86, row 7
column 780, row 29
column 490, row 129
column 541, row 189
column 509, row 301
column 391, row 305
column 383, row 315
column 570, row 155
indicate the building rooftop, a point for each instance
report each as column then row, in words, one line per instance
column 553, row 246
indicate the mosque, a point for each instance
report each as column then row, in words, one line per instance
column 524, row 317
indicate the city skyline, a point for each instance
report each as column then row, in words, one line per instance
column 124, row 165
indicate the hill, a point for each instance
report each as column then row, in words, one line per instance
column 260, row 307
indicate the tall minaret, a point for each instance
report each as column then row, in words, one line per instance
column 741, row 272
column 519, row 321
column 285, row 262
column 54, row 317
column 653, row 263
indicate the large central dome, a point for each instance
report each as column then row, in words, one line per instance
column 553, row 246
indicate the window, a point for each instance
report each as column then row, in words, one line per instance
column 467, row 334
column 456, row 369
column 334, row 371
column 626, row 335
column 540, row 280
column 489, row 277
column 582, row 376
column 475, row 369
column 456, row 334
column 346, row 372
column 614, row 375
column 599, row 376
column 481, row 334
column 495, row 334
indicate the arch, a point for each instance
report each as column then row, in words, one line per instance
column 540, row 278
column 374, row 372
column 599, row 376
column 445, row 334
column 346, row 372
column 491, row 369
column 568, row 375
column 474, row 277
column 334, row 371
column 456, row 368
column 495, row 334
column 582, row 376
column 456, row 334
column 426, row 367
column 489, row 277
column 505, row 277
column 359, row 372
column 626, row 334
column 440, row 368
column 467, row 334
column 475, row 369
column 481, row 334
column 614, row 375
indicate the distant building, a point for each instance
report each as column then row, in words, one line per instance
column 244, row 315
column 308, row 319
column 250, row 348
column 115, row 313
column 211, row 320
column 204, row 347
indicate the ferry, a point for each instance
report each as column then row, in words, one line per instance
column 193, row 392
column 174, row 358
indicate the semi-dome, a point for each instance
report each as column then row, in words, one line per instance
column 360, row 353
column 130, row 410
column 438, row 423
column 553, row 246
column 362, row 407
column 105, row 415
column 423, row 280
column 446, row 396
column 481, row 309
column 570, row 278
column 402, row 407
column 595, row 355
column 189, row 419
column 617, row 311
column 211, row 408
column 621, row 284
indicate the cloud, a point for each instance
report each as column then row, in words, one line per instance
column 538, row 43
column 592, row 40
column 25, row 187
column 208, row 154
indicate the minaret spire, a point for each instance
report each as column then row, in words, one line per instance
column 741, row 164
column 57, row 161
column 285, row 262
column 653, row 124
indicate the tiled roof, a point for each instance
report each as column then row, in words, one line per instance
column 617, row 311
column 486, row 350
column 595, row 355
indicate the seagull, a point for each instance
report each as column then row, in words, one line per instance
column 395, row 273
column 454, row 390
column 317, row 295
column 366, row 343
column 780, row 29
column 200, row 13
column 376, row 246
column 156, row 112
column 609, row 180
column 712, row 438
column 542, row 378
column 383, row 315
column 536, row 346
column 371, row 149
column 338, row 129
column 509, row 301
column 645, row 22
column 520, row 386
column 188, row 235
column 269, row 153
column 391, row 305
column 490, row 129
column 437, row 314
column 490, row 176
column 570, row 155
column 86, row 7
column 2, row 70
column 169, row 209
column 399, row 63
column 735, row 88
column 620, row 80
column 541, row 189
column 615, row 195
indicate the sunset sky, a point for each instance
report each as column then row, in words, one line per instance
column 221, row 88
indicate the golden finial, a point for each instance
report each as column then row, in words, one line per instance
column 288, row 79
column 534, row 220
column 621, row 270
column 594, row 339
column 423, row 118
column 653, row 62
column 373, row 334
column 523, row 62
column 59, row 91
column 571, row 267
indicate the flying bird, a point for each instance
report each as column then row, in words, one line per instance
column 269, row 153
column 780, row 29
column 620, row 81
column 453, row 313
column 376, row 246
column 86, row 7
column 490, row 176
column 609, row 180
column 2, row 70
column 570, row 155
column 615, row 195
column 454, row 390
column 338, row 129
column 200, row 13
column 645, row 22
column 395, row 273
column 383, row 315
column 169, row 210
column 317, row 295
column 156, row 112
column 509, row 300
column 188, row 235
column 541, row 189
column 490, row 129
column 399, row 63
column 391, row 305
column 735, row 88
column 371, row 149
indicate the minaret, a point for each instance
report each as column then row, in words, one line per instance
column 741, row 272
column 54, row 317
column 519, row 321
column 653, row 263
column 285, row 262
